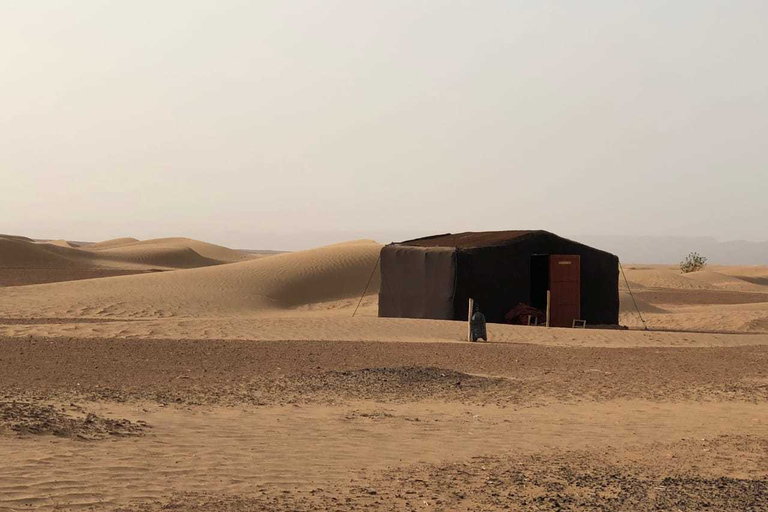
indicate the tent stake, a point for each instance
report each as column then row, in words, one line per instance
column 469, row 319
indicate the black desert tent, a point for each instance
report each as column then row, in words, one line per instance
column 434, row 277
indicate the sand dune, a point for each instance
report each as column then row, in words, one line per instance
column 166, row 253
column 122, row 253
column 156, row 256
column 24, row 261
column 132, row 250
column 115, row 242
column 60, row 243
column 17, row 238
column 15, row 252
column 256, row 286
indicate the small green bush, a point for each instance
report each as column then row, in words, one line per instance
column 693, row 262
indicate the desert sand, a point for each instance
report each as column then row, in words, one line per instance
column 203, row 378
column 24, row 261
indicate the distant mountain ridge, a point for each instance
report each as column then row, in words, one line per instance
column 671, row 250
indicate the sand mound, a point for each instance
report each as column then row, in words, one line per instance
column 628, row 306
column 18, row 253
column 163, row 253
column 662, row 277
column 115, row 242
column 156, row 256
column 752, row 274
column 723, row 281
column 60, row 243
column 129, row 251
column 716, row 278
column 320, row 275
column 16, row 238
column 280, row 282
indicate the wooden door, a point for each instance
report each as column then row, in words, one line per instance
column 565, row 289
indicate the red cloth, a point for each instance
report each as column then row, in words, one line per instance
column 519, row 315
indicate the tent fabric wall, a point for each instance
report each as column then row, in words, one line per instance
column 498, row 278
column 417, row 282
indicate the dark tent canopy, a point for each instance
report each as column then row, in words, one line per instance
column 434, row 277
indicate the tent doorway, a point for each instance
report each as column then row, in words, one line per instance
column 539, row 281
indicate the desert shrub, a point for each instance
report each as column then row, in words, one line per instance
column 693, row 262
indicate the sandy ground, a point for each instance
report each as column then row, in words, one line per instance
column 231, row 383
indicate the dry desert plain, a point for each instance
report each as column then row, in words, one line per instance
column 173, row 374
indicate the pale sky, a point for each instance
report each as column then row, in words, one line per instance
column 288, row 124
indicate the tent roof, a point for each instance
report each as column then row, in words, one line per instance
column 473, row 240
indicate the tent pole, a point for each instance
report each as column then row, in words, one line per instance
column 549, row 307
column 469, row 319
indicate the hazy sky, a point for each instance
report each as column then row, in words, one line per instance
column 285, row 124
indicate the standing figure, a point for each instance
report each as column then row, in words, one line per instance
column 477, row 326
